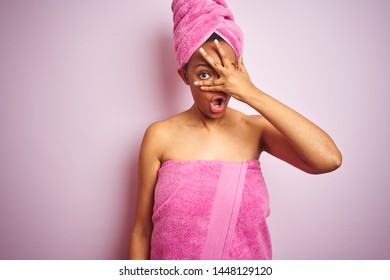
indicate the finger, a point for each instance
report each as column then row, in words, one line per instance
column 217, row 82
column 212, row 88
column 222, row 55
column 209, row 59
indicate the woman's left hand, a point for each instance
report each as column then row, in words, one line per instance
column 233, row 77
column 286, row 134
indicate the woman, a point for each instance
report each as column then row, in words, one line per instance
column 201, row 191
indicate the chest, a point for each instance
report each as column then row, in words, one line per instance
column 233, row 145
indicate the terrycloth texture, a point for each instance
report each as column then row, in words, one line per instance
column 194, row 21
column 207, row 209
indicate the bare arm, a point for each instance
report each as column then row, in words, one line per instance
column 286, row 134
column 149, row 164
column 293, row 138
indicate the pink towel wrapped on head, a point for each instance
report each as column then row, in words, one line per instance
column 206, row 209
column 196, row 20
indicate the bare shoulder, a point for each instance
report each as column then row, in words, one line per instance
column 253, row 122
column 165, row 128
column 159, row 135
column 157, row 129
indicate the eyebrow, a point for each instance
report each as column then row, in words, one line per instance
column 208, row 65
column 203, row 65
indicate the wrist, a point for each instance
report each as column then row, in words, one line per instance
column 252, row 93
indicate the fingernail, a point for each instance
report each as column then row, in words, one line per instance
column 196, row 83
column 216, row 41
column 202, row 50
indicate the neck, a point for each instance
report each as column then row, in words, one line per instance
column 205, row 121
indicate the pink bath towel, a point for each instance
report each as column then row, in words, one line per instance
column 207, row 209
column 194, row 21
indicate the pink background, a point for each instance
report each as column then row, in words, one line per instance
column 81, row 80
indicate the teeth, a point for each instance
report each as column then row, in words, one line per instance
column 217, row 103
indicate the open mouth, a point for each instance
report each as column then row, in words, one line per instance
column 218, row 104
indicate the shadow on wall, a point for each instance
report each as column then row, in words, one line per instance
column 169, row 83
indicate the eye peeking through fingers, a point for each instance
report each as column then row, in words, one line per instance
column 204, row 75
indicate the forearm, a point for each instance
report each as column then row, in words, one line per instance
column 314, row 147
column 299, row 141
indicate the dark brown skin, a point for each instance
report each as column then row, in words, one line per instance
column 199, row 133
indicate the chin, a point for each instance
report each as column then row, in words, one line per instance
column 213, row 115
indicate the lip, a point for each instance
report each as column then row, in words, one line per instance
column 218, row 104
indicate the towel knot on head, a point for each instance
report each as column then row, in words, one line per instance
column 194, row 21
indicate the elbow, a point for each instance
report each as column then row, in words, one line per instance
column 330, row 163
column 335, row 162
column 336, row 159
column 339, row 160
